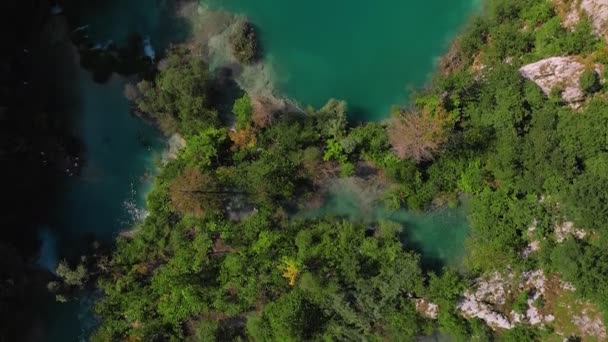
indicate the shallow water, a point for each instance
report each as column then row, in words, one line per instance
column 438, row 236
column 368, row 53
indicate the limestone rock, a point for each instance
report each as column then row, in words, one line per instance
column 596, row 10
column 471, row 306
column 426, row 308
column 590, row 327
column 552, row 72
column 562, row 231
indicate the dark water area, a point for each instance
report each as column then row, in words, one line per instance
column 102, row 189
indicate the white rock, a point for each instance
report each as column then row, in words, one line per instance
column 590, row 327
column 595, row 10
column 428, row 309
column 532, row 247
column 176, row 143
column 535, row 279
column 557, row 71
column 567, row 228
column 533, row 316
column 471, row 307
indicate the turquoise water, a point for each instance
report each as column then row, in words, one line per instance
column 368, row 53
column 438, row 236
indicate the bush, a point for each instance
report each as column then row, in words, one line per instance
column 589, row 81
column 520, row 305
column 242, row 110
column 245, row 43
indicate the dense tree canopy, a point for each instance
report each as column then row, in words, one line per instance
column 222, row 257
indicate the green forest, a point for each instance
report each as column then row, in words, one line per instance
column 222, row 255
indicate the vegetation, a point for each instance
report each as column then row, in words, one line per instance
column 220, row 257
column 244, row 42
column 590, row 82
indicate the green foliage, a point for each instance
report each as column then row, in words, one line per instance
column 244, row 43
column 586, row 266
column 335, row 151
column 446, row 289
column 206, row 331
column 589, row 81
column 520, row 304
column 72, row 277
column 177, row 98
column 242, row 110
column 202, row 149
column 507, row 147
column 521, row 333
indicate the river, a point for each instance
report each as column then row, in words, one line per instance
column 365, row 53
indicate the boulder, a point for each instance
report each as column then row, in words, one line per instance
column 563, row 72
column 595, row 10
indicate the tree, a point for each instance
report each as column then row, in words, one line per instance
column 242, row 110
column 203, row 148
column 72, row 277
column 242, row 139
column 177, row 98
column 418, row 135
column 244, row 43
column 194, row 192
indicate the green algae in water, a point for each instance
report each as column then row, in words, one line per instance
column 368, row 53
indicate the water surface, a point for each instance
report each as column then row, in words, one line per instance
column 368, row 53
column 438, row 235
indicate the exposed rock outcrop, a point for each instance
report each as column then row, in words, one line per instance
column 426, row 308
column 562, row 231
column 491, row 298
column 471, row 306
column 588, row 326
column 596, row 10
column 562, row 72
column 481, row 302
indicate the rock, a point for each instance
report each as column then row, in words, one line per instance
column 596, row 10
column 535, row 280
column 590, row 327
column 426, row 308
column 562, row 231
column 532, row 314
column 532, row 247
column 492, row 289
column 176, row 143
column 472, row 307
column 554, row 72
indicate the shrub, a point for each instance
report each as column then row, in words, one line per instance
column 520, row 305
column 589, row 81
column 242, row 110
